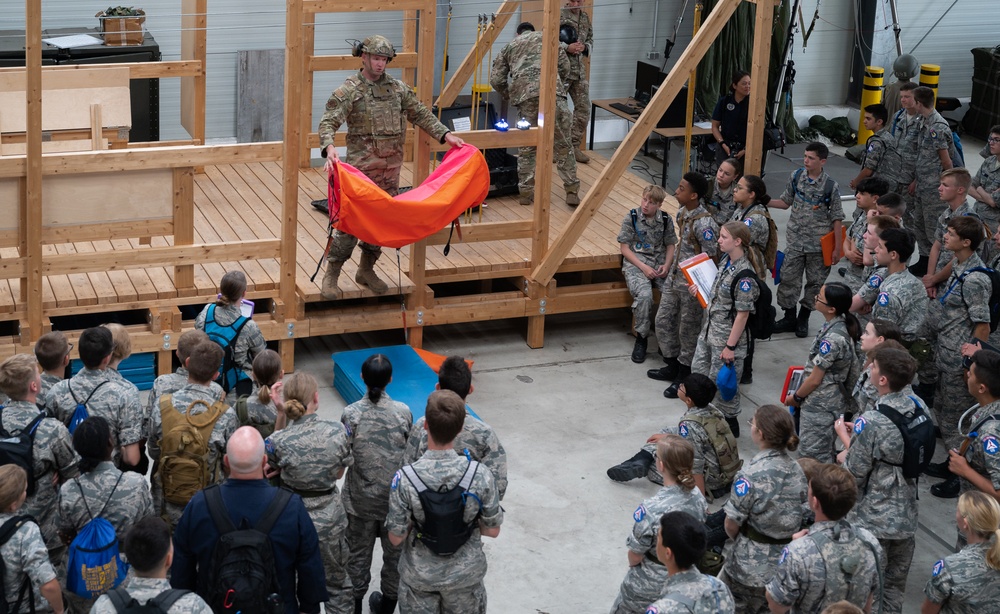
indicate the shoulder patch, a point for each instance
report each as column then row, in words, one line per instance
column 741, row 487
column 784, row 555
column 875, row 281
column 745, row 285
column 859, row 425
column 268, row 446
column 933, row 133
column 730, row 106
column 824, row 347
column 652, row 610
column 683, row 430
column 871, row 148
column 708, row 234
column 938, row 568
column 883, row 298
column 748, row 222
column 639, row 513
column 990, row 445
column 347, row 428
column 395, row 480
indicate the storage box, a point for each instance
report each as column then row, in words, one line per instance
column 121, row 31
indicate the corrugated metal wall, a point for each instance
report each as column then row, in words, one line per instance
column 623, row 34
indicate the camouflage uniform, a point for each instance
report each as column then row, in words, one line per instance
column 988, row 178
column 760, row 230
column 428, row 582
column 52, row 453
column 169, row 384
column 722, row 205
column 706, row 458
column 678, row 317
column 810, row 218
column 311, row 453
column 934, row 136
column 887, row 502
column 477, row 441
column 124, row 503
column 249, row 343
column 643, row 583
column 718, row 323
column 224, row 428
column 260, row 414
column 25, row 554
column 906, row 132
column 883, row 158
column 378, row 434
column 577, row 85
column 649, row 239
column 376, row 113
column 48, row 382
column 865, row 395
column 521, row 59
column 983, row 454
column 962, row 306
column 832, row 350
column 768, row 497
column 696, row 593
column 899, row 298
column 801, row 577
column 963, row 584
column 144, row 589
column 854, row 276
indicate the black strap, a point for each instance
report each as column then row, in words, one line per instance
column 120, row 599
column 84, row 497
column 274, row 511
column 168, row 598
column 87, row 400
column 7, row 531
column 224, row 524
column 31, row 427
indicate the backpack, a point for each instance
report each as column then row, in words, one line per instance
column 225, row 336
column 721, row 436
column 242, row 575
column 95, row 564
column 846, row 557
column 994, row 301
column 692, row 235
column 124, row 603
column 827, row 188
column 888, row 148
column 444, row 530
column 7, row 531
column 918, row 438
column 771, row 250
column 760, row 324
column 80, row 413
column 184, row 467
column 17, row 449
column 243, row 414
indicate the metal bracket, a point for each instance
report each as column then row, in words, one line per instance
column 291, row 330
column 541, row 306
column 420, row 318
column 166, row 341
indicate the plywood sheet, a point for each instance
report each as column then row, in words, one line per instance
column 66, row 99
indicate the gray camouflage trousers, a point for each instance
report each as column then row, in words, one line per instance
column 579, row 93
column 562, row 154
column 462, row 600
column 927, row 208
column 951, row 399
column 334, row 551
column 817, row 415
column 678, row 320
column 792, row 267
column 748, row 599
column 641, row 290
column 707, row 362
column 361, row 536
column 898, row 555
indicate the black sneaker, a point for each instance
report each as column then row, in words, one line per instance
column 949, row 489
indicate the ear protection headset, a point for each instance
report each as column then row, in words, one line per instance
column 359, row 47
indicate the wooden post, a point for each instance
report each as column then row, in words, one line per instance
column 692, row 84
column 291, row 151
column 194, row 46
column 31, row 220
column 184, row 227
column 308, row 80
column 410, row 74
column 759, row 69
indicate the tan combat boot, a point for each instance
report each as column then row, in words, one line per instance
column 366, row 274
column 329, row 289
column 581, row 157
column 526, row 198
column 572, row 199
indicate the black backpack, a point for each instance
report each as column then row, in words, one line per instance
column 7, row 531
column 17, row 449
column 242, row 575
column 444, row 530
column 125, row 603
column 919, row 440
column 760, row 324
column 994, row 300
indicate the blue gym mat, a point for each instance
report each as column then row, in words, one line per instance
column 412, row 379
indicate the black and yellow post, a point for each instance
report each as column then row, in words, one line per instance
column 871, row 93
column 930, row 74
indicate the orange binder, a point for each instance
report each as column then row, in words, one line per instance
column 827, row 243
column 700, row 270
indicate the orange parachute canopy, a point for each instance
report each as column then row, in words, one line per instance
column 364, row 210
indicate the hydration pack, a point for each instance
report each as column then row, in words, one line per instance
column 444, row 529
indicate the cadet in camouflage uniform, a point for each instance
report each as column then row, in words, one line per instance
column 969, row 582
column 378, row 428
column 117, row 404
column 375, row 106
column 24, row 554
column 52, row 448
column 429, row 582
column 647, row 241
column 867, row 193
column 680, row 546
column 52, row 351
column 477, row 441
column 577, row 84
column 881, row 158
column 311, row 454
column 678, row 317
column 721, row 205
column 172, row 382
column 521, row 60
column 823, row 394
column 986, row 186
column 892, row 291
column 765, row 508
column 807, row 578
column 887, row 504
column 933, row 144
column 979, row 467
column 751, row 200
column 814, row 200
column 645, row 576
column 203, row 366
column 120, row 498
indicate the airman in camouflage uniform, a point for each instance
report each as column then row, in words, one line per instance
column 987, row 183
column 854, row 275
column 706, row 457
column 906, row 131
column 883, row 158
column 963, row 583
column 144, row 589
column 652, row 240
column 718, row 323
column 760, row 230
column 378, row 434
column 25, row 554
column 695, row 593
column 48, row 382
column 124, row 501
column 887, row 502
column 832, row 350
column 432, row 583
column 983, row 454
column 249, row 342
column 721, row 204
column 934, row 136
column 577, row 84
column 521, row 60
column 767, row 502
column 898, row 297
column 169, row 384
column 312, row 454
column 678, row 317
column 224, row 427
column 477, row 441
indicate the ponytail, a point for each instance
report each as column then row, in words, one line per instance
column 376, row 372
column 294, row 409
column 982, row 512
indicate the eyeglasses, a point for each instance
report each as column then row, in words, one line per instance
column 69, row 349
column 752, row 423
column 821, row 301
column 993, row 139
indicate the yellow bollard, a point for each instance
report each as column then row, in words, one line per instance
column 930, row 74
column 871, row 93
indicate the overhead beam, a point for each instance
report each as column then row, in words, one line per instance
column 463, row 73
column 760, row 70
column 31, row 212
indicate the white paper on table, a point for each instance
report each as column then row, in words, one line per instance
column 703, row 125
column 74, row 40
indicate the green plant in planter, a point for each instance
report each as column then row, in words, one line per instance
column 122, row 11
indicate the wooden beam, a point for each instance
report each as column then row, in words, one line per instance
column 308, row 81
column 410, row 19
column 31, row 218
column 194, row 47
column 361, row 6
column 137, row 70
column 183, row 223
column 65, row 264
column 403, row 59
column 645, row 124
column 759, row 69
column 492, row 139
column 13, row 268
column 291, row 147
column 460, row 77
column 486, row 231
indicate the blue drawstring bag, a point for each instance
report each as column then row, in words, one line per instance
column 95, row 564
column 727, row 382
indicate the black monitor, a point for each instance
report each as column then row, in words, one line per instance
column 676, row 114
column 646, row 76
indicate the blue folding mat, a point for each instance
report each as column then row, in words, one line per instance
column 412, row 379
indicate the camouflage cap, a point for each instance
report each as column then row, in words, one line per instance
column 378, row 45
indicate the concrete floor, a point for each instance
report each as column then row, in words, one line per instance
column 567, row 412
